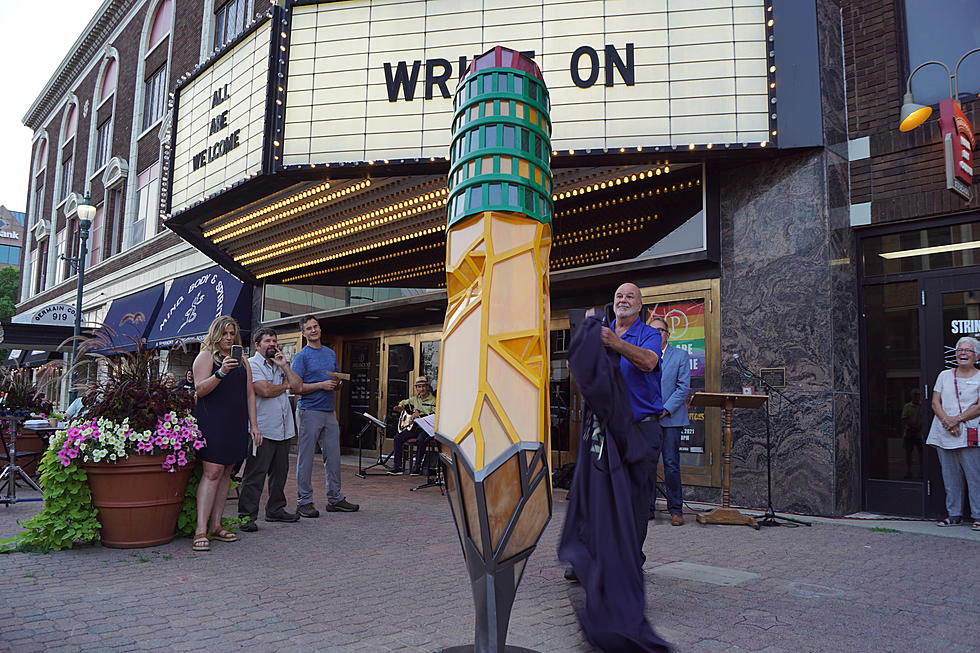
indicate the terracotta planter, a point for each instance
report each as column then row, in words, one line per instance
column 30, row 446
column 137, row 500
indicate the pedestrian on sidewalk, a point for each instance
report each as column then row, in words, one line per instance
column 272, row 378
column 675, row 384
column 956, row 407
column 317, row 422
column 225, row 413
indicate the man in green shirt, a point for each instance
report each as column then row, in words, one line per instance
column 420, row 405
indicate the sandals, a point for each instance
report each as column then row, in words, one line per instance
column 224, row 535
column 950, row 521
column 201, row 542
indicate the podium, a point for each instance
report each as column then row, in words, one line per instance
column 728, row 402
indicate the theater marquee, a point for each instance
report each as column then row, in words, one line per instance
column 220, row 124
column 369, row 81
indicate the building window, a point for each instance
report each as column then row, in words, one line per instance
column 147, row 198
column 9, row 255
column 155, row 97
column 229, row 21
column 66, row 181
column 38, row 204
column 41, row 280
column 941, row 34
column 60, row 251
column 103, row 143
column 115, row 203
column 95, row 236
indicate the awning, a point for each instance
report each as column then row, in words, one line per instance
column 195, row 300
column 38, row 358
column 129, row 319
column 47, row 337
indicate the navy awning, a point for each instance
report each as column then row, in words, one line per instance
column 129, row 319
column 195, row 300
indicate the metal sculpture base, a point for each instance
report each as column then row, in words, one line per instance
column 500, row 514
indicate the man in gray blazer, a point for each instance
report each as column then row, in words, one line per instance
column 675, row 382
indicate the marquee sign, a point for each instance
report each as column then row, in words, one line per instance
column 958, row 145
column 219, row 133
column 372, row 81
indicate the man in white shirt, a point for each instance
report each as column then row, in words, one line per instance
column 271, row 378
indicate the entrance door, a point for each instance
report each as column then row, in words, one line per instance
column 952, row 311
column 911, row 329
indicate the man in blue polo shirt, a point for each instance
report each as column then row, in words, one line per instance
column 317, row 422
column 638, row 345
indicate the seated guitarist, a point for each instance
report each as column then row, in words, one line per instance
column 422, row 404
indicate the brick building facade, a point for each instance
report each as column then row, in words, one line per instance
column 98, row 127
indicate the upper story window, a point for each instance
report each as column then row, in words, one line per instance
column 160, row 26
column 70, row 124
column 147, row 201
column 155, row 97
column 942, row 32
column 229, row 21
column 109, row 76
column 103, row 143
column 96, row 236
column 67, row 168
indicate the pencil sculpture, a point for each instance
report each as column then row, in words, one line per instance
column 492, row 417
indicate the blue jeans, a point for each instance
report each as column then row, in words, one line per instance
column 317, row 427
column 672, row 472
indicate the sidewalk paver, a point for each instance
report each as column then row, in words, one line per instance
column 391, row 578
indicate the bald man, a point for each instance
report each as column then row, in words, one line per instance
column 639, row 348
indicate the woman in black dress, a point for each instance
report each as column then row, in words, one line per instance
column 225, row 412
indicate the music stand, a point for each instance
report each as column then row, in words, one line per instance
column 12, row 472
column 728, row 402
column 428, row 425
column 369, row 421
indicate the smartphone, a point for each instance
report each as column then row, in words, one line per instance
column 237, row 352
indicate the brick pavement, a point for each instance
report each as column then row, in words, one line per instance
column 391, row 577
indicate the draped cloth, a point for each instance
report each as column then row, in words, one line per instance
column 600, row 538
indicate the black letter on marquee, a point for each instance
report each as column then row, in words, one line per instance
column 437, row 80
column 573, row 67
column 627, row 70
column 402, row 79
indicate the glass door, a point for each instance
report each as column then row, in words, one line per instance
column 952, row 306
column 893, row 452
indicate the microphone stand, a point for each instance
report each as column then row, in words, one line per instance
column 770, row 517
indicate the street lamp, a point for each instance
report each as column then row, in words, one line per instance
column 914, row 114
column 86, row 213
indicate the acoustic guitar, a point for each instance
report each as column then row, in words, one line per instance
column 405, row 421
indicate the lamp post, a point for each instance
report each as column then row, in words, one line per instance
column 86, row 213
column 914, row 114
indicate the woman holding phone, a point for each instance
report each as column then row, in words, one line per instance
column 225, row 412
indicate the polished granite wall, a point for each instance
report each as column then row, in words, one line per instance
column 788, row 299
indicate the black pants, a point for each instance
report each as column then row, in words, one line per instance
column 421, row 440
column 643, row 475
column 270, row 460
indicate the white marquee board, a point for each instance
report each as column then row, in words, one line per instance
column 700, row 72
column 220, row 122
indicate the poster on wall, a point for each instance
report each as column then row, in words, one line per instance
column 686, row 322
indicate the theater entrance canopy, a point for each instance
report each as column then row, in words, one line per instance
column 314, row 149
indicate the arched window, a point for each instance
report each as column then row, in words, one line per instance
column 101, row 139
column 155, row 72
column 160, row 27
column 69, row 125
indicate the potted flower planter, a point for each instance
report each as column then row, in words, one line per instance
column 137, row 500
